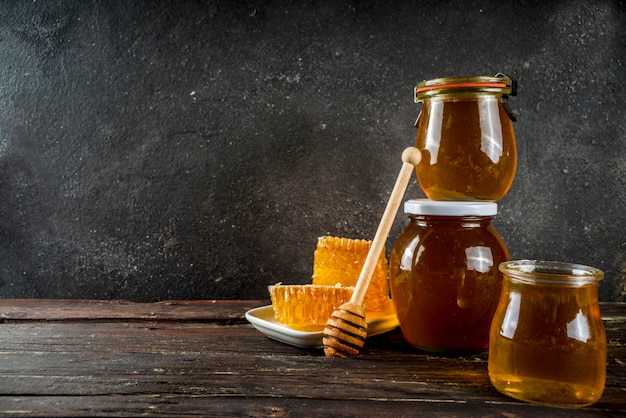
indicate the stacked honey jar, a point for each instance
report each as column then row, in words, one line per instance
column 451, row 280
column 444, row 275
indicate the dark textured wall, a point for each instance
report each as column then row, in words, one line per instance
column 196, row 149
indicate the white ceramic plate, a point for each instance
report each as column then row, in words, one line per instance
column 263, row 319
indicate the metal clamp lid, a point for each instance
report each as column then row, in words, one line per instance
column 498, row 84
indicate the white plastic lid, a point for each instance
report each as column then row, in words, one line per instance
column 450, row 208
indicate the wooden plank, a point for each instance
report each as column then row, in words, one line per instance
column 86, row 310
column 162, row 405
column 98, row 310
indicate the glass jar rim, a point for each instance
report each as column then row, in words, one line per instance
column 550, row 272
column 499, row 84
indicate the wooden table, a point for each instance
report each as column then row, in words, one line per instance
column 202, row 358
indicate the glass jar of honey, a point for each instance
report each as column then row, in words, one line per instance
column 465, row 134
column 444, row 276
column 548, row 343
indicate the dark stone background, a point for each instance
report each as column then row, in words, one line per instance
column 196, row 149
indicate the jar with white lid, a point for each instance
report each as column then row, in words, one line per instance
column 444, row 277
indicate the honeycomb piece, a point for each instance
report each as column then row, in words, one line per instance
column 301, row 306
column 340, row 260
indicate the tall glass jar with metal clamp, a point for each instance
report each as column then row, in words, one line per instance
column 465, row 134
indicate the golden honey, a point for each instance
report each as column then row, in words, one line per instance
column 465, row 134
column 307, row 307
column 547, row 341
column 444, row 276
column 340, row 260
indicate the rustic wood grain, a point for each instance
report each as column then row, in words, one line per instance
column 201, row 359
column 86, row 310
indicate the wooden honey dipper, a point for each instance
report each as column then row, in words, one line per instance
column 346, row 328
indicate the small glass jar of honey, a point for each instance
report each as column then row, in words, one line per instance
column 465, row 134
column 547, row 340
column 444, row 276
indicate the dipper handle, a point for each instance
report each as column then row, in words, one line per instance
column 410, row 158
